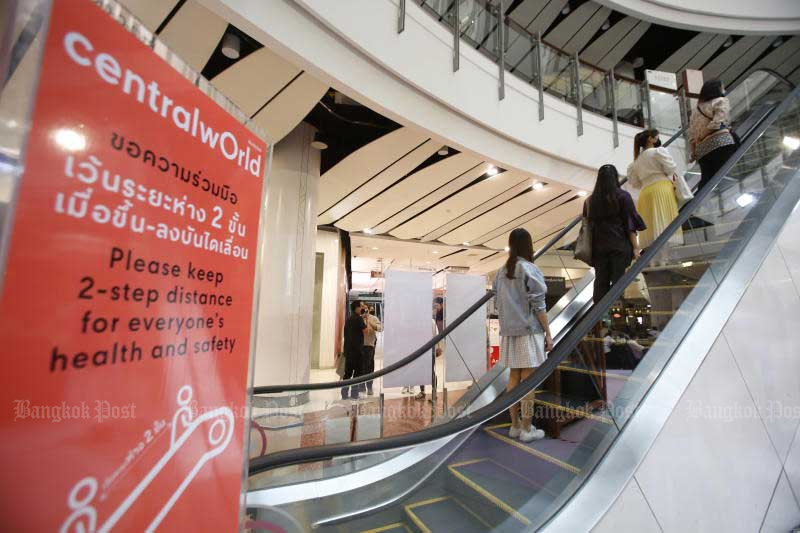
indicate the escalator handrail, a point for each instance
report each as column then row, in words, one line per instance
column 564, row 347
column 300, row 387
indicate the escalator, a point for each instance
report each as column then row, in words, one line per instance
column 462, row 472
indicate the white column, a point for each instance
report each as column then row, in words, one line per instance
column 328, row 244
column 287, row 286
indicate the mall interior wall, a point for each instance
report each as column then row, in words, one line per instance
column 285, row 313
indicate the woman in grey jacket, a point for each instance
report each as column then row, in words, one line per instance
column 519, row 292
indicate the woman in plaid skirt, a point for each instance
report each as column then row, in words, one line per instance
column 519, row 292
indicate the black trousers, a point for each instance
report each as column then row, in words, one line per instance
column 608, row 268
column 712, row 162
column 353, row 364
column 368, row 363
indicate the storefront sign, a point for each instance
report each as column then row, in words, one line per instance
column 128, row 293
column 665, row 80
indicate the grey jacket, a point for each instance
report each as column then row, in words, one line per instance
column 519, row 299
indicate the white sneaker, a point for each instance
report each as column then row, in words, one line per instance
column 531, row 435
column 514, row 432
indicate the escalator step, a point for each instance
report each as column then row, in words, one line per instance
column 495, row 488
column 397, row 527
column 444, row 514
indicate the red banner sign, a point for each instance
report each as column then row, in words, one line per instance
column 127, row 300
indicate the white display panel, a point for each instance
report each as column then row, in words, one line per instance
column 468, row 341
column 407, row 325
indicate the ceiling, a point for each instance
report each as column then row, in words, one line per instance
column 382, row 179
column 393, row 181
column 274, row 93
column 610, row 39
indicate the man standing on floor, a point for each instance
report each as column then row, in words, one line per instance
column 354, row 331
column 370, row 339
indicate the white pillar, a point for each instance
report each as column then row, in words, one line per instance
column 287, row 287
column 328, row 244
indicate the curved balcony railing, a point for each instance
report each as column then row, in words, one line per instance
column 552, row 70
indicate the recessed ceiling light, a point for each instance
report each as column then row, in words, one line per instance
column 374, row 247
column 465, row 243
column 231, row 46
column 582, row 193
column 368, row 231
column 745, row 199
column 687, row 264
column 791, row 142
column 728, row 42
column 538, row 186
column 435, row 251
column 443, row 151
column 506, row 248
column 70, row 140
column 565, row 11
column 492, row 171
column 319, row 142
column 605, row 25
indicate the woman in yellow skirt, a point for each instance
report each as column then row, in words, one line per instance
column 652, row 172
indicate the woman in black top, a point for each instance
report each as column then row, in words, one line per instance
column 614, row 222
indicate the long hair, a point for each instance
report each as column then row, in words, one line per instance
column 520, row 244
column 710, row 90
column 604, row 202
column 640, row 141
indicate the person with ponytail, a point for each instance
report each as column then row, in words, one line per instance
column 615, row 223
column 519, row 293
column 653, row 171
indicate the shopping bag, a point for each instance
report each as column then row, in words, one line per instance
column 682, row 191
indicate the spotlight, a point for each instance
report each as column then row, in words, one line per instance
column 566, row 10
column 443, row 151
column 368, row 231
column 728, row 42
column 506, row 248
column 492, row 171
column 319, row 142
column 465, row 243
column 231, row 46
column 605, row 25
column 687, row 264
column 538, row 186
column 793, row 143
column 777, row 42
column 582, row 193
column 745, row 199
column 435, row 252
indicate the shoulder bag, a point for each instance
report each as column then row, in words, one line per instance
column 583, row 246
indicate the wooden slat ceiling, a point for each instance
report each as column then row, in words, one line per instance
column 365, row 163
column 149, row 12
column 271, row 90
column 460, row 203
column 407, row 191
column 193, row 33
